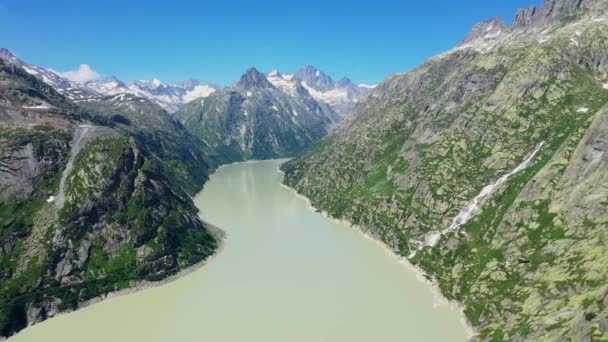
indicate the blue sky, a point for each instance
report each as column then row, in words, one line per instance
column 216, row 41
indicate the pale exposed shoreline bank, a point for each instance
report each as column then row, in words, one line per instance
column 438, row 297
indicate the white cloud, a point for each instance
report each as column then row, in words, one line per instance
column 83, row 74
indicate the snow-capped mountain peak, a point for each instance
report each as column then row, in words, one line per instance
column 169, row 96
column 156, row 83
column 69, row 89
column 341, row 95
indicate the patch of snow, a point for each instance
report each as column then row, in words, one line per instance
column 332, row 97
column 318, row 73
column 249, row 94
column 294, row 112
column 605, row 85
column 36, row 107
column 582, row 110
column 245, row 113
column 30, row 71
column 367, row 86
column 288, row 77
column 198, row 91
column 50, row 199
column 156, row 82
column 275, row 108
column 573, row 42
column 284, row 85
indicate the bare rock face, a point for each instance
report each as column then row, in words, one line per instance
column 253, row 79
column 487, row 30
column 551, row 11
column 525, row 17
column 18, row 170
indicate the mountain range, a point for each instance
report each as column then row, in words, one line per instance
column 96, row 178
column 341, row 95
column 486, row 167
column 259, row 117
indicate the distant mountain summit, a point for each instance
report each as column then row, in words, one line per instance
column 259, row 117
column 315, row 78
column 253, row 79
column 342, row 95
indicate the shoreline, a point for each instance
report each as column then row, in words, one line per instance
column 438, row 297
column 146, row 284
column 140, row 285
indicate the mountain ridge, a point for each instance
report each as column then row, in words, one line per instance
column 426, row 145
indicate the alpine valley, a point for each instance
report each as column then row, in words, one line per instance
column 486, row 168
column 96, row 179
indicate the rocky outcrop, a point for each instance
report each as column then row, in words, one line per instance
column 553, row 10
column 486, row 30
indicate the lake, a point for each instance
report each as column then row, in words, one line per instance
column 285, row 273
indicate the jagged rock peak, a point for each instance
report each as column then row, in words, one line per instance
column 7, row 55
column 524, row 16
column 344, row 82
column 275, row 73
column 189, row 84
column 315, row 78
column 253, row 79
column 487, row 29
column 550, row 11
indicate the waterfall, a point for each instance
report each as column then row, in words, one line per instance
column 430, row 239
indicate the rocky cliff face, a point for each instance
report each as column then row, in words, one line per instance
column 256, row 120
column 94, row 197
column 528, row 262
column 555, row 10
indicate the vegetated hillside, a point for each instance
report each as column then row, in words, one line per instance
column 92, row 199
column 532, row 263
column 256, row 120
